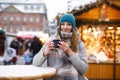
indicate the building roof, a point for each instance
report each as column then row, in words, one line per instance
column 98, row 3
column 116, row 2
column 25, row 6
column 23, row 1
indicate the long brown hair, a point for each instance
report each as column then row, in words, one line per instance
column 74, row 39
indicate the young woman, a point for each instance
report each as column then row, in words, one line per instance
column 69, row 57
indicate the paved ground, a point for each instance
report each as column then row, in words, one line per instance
column 20, row 60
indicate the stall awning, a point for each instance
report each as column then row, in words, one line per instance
column 30, row 34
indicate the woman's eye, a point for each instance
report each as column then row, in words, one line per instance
column 62, row 24
column 69, row 24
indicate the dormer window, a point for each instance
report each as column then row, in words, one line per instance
column 26, row 7
column 38, row 7
column 32, row 8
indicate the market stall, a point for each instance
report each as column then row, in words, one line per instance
column 99, row 25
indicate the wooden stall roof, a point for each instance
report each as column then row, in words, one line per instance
column 92, row 11
column 116, row 2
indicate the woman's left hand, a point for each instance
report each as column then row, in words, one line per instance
column 65, row 47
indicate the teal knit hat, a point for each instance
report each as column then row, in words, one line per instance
column 68, row 18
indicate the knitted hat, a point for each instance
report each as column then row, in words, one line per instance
column 68, row 18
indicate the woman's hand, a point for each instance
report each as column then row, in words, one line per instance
column 65, row 47
column 48, row 48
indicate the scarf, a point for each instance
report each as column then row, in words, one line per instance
column 58, row 59
column 65, row 36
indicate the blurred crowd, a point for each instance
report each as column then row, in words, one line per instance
column 27, row 48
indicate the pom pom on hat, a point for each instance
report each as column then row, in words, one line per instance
column 68, row 18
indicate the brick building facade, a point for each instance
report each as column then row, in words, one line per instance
column 22, row 16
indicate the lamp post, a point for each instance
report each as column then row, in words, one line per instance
column 114, row 53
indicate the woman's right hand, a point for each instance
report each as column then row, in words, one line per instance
column 49, row 47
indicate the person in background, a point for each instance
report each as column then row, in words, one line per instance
column 36, row 45
column 69, row 56
column 27, row 56
column 10, row 56
column 15, row 44
column 28, row 43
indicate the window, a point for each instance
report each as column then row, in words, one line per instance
column 17, row 18
column 17, row 28
column 11, row 29
column 24, row 19
column 38, row 7
column 37, row 29
column 31, row 19
column 11, row 18
column 4, row 28
column 30, row 29
column 32, row 8
column 37, row 19
column 23, row 28
column 5, row 18
column 25, row 7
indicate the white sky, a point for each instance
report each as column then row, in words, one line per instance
column 60, row 6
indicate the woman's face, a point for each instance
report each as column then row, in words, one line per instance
column 66, row 27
